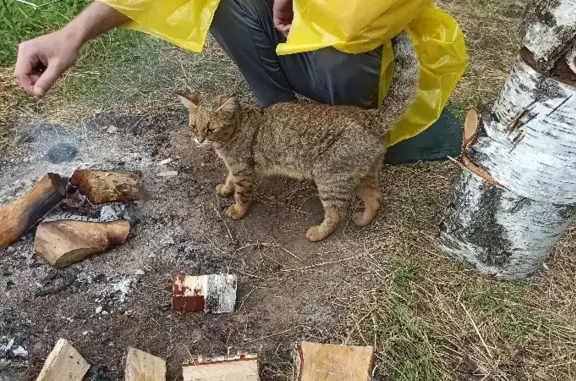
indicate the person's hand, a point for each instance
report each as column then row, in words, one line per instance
column 283, row 14
column 43, row 60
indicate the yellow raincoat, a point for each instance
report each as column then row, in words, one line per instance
column 351, row 26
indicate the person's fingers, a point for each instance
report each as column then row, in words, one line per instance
column 282, row 25
column 24, row 71
column 26, row 83
column 53, row 71
column 34, row 77
column 286, row 29
column 283, row 28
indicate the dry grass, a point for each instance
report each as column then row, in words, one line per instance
column 11, row 103
column 492, row 32
column 433, row 319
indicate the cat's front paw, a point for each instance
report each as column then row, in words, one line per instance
column 316, row 233
column 235, row 212
column 224, row 190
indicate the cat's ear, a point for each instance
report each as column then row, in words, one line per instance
column 227, row 104
column 189, row 101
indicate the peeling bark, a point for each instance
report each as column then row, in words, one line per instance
column 500, row 233
column 517, row 193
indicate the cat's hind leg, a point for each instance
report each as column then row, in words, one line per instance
column 226, row 189
column 369, row 191
column 244, row 185
column 335, row 195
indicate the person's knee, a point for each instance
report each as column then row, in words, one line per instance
column 232, row 12
column 351, row 79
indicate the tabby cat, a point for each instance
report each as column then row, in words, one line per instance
column 340, row 148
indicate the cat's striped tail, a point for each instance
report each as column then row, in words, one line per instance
column 403, row 88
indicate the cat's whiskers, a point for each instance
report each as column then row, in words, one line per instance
column 204, row 144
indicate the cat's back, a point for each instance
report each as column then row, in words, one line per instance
column 310, row 126
column 298, row 115
column 293, row 136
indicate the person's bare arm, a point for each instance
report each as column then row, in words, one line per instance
column 43, row 60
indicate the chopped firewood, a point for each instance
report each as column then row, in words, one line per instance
column 62, row 243
column 64, row 363
column 19, row 216
column 103, row 186
column 214, row 293
column 328, row 362
column 238, row 368
column 142, row 366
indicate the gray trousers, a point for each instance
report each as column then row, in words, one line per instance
column 245, row 30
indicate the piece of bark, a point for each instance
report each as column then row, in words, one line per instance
column 329, row 362
column 142, row 366
column 470, row 127
column 107, row 186
column 19, row 216
column 62, row 243
column 238, row 368
column 63, row 363
column 215, row 293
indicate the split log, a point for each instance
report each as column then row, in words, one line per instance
column 64, row 363
column 215, row 293
column 238, row 368
column 142, row 366
column 22, row 214
column 328, row 362
column 516, row 195
column 62, row 243
column 103, row 186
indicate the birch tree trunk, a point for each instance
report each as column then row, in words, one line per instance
column 516, row 194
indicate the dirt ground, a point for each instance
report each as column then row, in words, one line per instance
column 387, row 285
column 288, row 288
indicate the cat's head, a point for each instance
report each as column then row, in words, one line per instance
column 213, row 121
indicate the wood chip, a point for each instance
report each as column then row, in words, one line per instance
column 215, row 293
column 165, row 161
column 142, row 366
column 63, row 363
column 238, row 368
column 329, row 362
column 470, row 127
column 168, row 174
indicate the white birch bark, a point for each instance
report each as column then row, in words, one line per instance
column 517, row 193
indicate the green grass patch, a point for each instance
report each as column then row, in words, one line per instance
column 104, row 63
column 21, row 22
